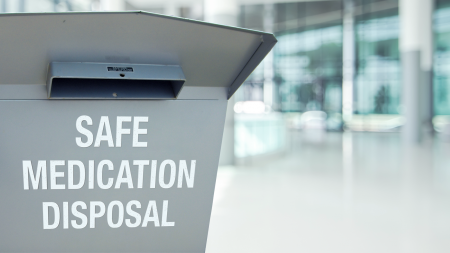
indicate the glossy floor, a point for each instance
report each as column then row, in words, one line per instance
column 350, row 192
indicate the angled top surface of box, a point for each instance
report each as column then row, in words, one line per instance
column 210, row 55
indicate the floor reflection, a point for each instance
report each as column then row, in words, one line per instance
column 351, row 192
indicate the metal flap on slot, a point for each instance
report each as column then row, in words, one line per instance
column 79, row 80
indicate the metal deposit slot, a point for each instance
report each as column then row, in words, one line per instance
column 114, row 88
column 79, row 80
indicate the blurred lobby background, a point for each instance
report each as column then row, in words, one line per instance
column 340, row 140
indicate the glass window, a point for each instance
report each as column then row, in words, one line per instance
column 377, row 83
column 441, row 78
column 307, row 60
column 308, row 69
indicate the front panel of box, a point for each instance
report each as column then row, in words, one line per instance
column 108, row 176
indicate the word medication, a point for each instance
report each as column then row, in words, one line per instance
column 105, row 175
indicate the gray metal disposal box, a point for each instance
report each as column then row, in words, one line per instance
column 111, row 126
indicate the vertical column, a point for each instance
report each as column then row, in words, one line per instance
column 225, row 13
column 21, row 5
column 113, row 5
column 3, row 6
column 268, row 23
column 222, row 12
column 427, row 53
column 416, row 50
column 348, row 60
column 55, row 5
column 171, row 8
column 12, row 5
column 348, row 76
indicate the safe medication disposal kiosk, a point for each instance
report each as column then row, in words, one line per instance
column 111, row 126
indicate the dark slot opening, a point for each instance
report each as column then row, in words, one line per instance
column 114, row 88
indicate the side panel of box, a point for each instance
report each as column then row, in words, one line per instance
column 180, row 135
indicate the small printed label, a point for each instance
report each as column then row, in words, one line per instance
column 121, row 69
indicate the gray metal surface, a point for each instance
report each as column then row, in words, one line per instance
column 86, row 70
column 268, row 41
column 215, row 61
column 45, row 130
column 210, row 55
